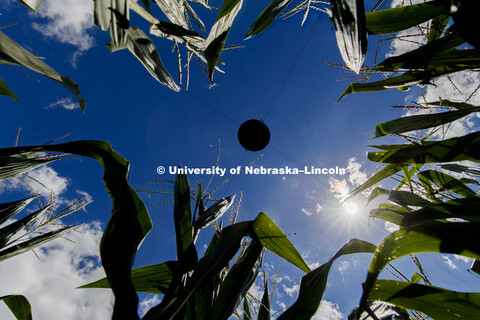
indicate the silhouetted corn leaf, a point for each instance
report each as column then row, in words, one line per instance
column 314, row 283
column 19, row 306
column 475, row 266
column 5, row 90
column 13, row 53
column 128, row 225
column 13, row 164
column 348, row 16
column 144, row 50
column 419, row 122
column 7, row 232
column 461, row 169
column 10, row 209
column 404, row 17
column 454, row 104
column 219, row 32
column 384, row 173
column 31, row 4
column 237, row 282
column 469, row 181
column 437, row 303
column 446, row 182
column 150, row 279
column 466, row 20
column 454, row 149
column 456, row 238
column 224, row 250
column 264, row 308
column 247, row 315
column 265, row 19
column 182, row 217
column 32, row 243
column 272, row 238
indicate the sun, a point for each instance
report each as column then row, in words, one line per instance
column 351, row 208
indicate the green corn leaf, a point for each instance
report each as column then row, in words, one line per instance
column 381, row 310
column 145, row 51
column 10, row 209
column 375, row 193
column 469, row 181
column 32, row 243
column 13, row 53
column 447, row 182
column 150, row 279
column 390, row 212
column 5, row 90
column 182, row 217
column 348, row 17
column 209, row 266
column 247, row 315
column 266, row 18
column 404, row 17
column 408, row 174
column 7, row 232
column 419, row 122
column 272, row 238
column 437, row 303
column 219, row 32
column 416, row 278
column 455, row 238
column 264, row 309
column 314, row 283
column 382, row 174
column 438, row 26
column 452, row 104
column 19, row 305
column 239, row 279
column 31, row 4
column 405, row 198
column 449, row 150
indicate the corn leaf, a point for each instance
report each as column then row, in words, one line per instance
column 455, row 238
column 266, row 18
column 31, row 4
column 5, row 90
column 182, row 217
column 446, row 182
column 381, row 310
column 247, row 315
column 13, row 164
column 272, row 238
column 348, row 17
column 264, row 309
column 19, row 305
column 7, row 232
column 437, row 303
column 384, row 173
column 406, row 198
column 32, row 243
column 150, row 279
column 13, row 53
column 390, row 212
column 375, row 193
column 219, row 32
column 461, row 169
column 453, row 104
column 10, row 209
column 455, row 149
column 437, row 26
column 419, row 122
column 404, row 17
column 237, row 282
column 174, row 10
column 212, row 214
column 314, row 283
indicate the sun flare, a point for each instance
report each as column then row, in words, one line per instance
column 351, row 208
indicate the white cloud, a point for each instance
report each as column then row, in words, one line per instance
column 390, row 227
column 42, row 181
column 308, row 213
column 318, row 207
column 463, row 259
column 339, row 188
column 356, row 177
column 49, row 282
column 449, row 262
column 66, row 103
column 291, row 291
column 67, row 21
column 328, row 311
column 148, row 303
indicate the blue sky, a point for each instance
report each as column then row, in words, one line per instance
column 151, row 125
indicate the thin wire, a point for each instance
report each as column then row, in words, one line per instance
column 213, row 108
column 292, row 67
